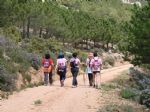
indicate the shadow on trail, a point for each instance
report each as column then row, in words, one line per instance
column 66, row 86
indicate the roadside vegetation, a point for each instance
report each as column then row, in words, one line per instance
column 130, row 92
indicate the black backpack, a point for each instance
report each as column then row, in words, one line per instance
column 73, row 64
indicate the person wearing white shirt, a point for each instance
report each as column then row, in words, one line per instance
column 96, row 65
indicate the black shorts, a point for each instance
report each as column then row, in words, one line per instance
column 94, row 72
column 62, row 74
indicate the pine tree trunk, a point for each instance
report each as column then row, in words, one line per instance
column 107, row 45
column 40, row 33
column 34, row 30
column 112, row 45
column 86, row 43
column 23, row 30
column 75, row 45
column 63, row 41
column 47, row 32
column 28, row 27
column 94, row 42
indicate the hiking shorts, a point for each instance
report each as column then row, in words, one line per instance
column 62, row 74
column 96, row 72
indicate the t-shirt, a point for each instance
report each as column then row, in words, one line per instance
column 61, row 62
column 96, row 63
column 88, row 64
column 50, row 61
column 47, row 68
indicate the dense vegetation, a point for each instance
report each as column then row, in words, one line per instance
column 70, row 21
column 62, row 25
column 138, row 30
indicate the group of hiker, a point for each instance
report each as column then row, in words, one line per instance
column 93, row 67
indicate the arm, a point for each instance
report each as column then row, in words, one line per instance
column 42, row 62
column 56, row 66
column 101, row 67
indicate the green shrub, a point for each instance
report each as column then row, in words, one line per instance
column 18, row 61
column 1, row 52
column 110, row 60
column 37, row 102
column 40, row 45
column 7, row 81
column 127, row 93
column 31, row 85
column 83, row 56
column 27, row 77
column 145, row 97
column 36, row 45
column 22, row 58
column 108, row 87
column 117, row 108
column 122, row 80
column 12, row 33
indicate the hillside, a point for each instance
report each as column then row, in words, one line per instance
column 119, row 32
column 33, row 28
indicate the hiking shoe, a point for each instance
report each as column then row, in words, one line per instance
column 98, row 87
column 45, row 84
column 73, row 86
column 94, row 86
column 50, row 84
column 62, row 85
column 90, row 84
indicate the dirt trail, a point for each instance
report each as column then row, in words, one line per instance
column 57, row 99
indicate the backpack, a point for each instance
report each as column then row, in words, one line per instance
column 46, row 66
column 73, row 64
column 46, row 63
column 61, row 66
column 96, row 64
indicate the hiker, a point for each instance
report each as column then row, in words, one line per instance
column 96, row 64
column 47, row 63
column 61, row 67
column 51, row 73
column 74, row 64
column 89, row 69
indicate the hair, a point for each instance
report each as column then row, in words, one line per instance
column 95, row 54
column 47, row 56
column 60, row 56
column 74, row 55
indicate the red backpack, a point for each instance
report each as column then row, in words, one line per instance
column 46, row 65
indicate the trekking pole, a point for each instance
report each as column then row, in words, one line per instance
column 84, row 78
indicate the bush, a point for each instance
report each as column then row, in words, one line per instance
column 37, row 102
column 82, row 56
column 12, row 33
column 27, row 77
column 145, row 97
column 1, row 52
column 17, row 61
column 117, row 108
column 122, row 80
column 98, row 50
column 108, row 87
column 127, row 93
column 40, row 45
column 36, row 45
column 7, row 81
column 110, row 60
